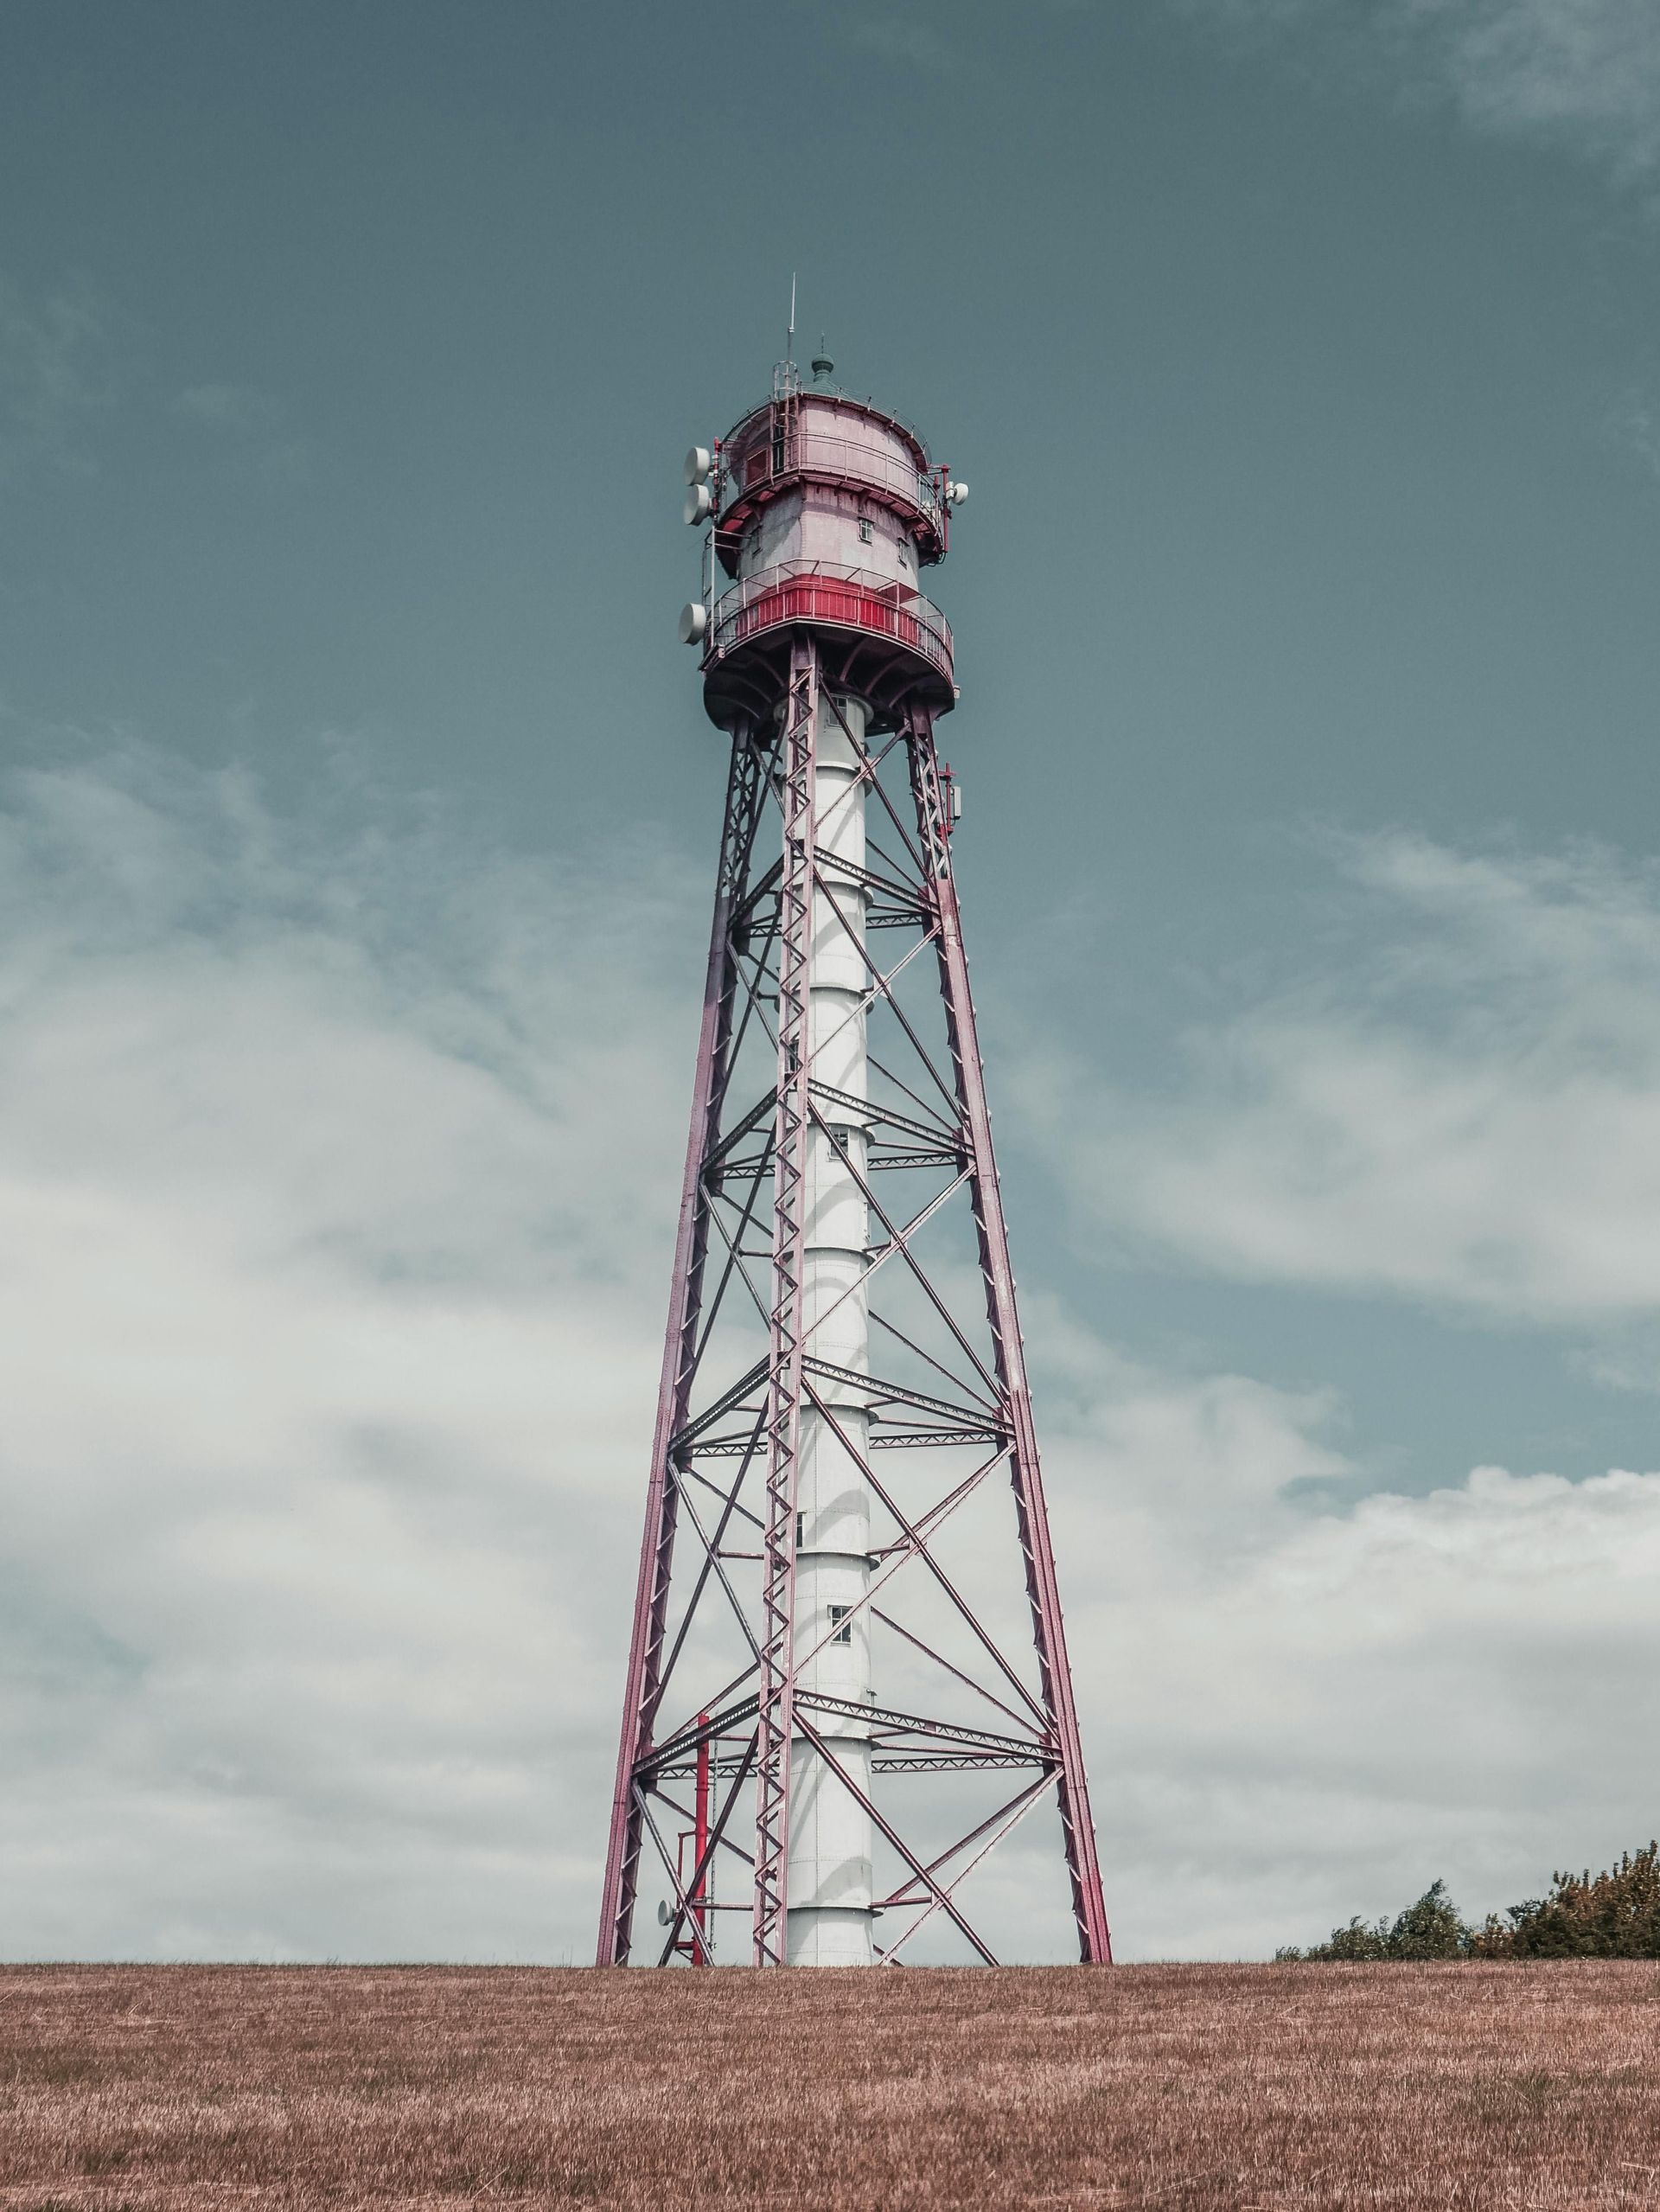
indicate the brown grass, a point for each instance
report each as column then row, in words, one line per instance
column 1200, row 2087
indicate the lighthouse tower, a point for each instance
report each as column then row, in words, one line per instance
column 843, row 1394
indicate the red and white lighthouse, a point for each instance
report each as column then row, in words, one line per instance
column 813, row 1681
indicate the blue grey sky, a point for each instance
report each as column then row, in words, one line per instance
column 1304, row 360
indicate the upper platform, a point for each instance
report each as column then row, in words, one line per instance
column 824, row 510
column 887, row 644
column 818, row 439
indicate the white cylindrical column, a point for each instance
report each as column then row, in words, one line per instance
column 830, row 1835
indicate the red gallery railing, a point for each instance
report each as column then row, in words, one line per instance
column 829, row 596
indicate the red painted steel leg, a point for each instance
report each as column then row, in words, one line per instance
column 1049, row 1633
column 700, row 1851
column 745, row 796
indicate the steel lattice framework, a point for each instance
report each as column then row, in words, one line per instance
column 722, row 1697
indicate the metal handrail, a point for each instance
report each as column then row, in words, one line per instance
column 826, row 592
column 850, row 458
column 787, row 384
column 834, row 455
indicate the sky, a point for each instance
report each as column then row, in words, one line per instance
column 357, row 830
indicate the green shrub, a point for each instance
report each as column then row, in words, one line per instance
column 1429, row 1929
column 1615, row 1915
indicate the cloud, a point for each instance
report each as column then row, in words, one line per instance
column 336, row 1183
column 225, row 407
column 897, row 35
column 1303, row 1705
column 250, row 422
column 1632, row 428
column 51, row 380
column 1582, row 73
column 1585, row 71
column 337, row 1169
column 1465, row 1111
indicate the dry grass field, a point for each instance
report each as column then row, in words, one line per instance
column 1188, row 2086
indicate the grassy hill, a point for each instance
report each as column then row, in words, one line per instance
column 1203, row 2087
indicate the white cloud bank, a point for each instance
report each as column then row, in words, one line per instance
column 331, row 1326
column 1586, row 70
column 1304, row 1711
column 1465, row 1109
column 52, row 376
column 319, row 1282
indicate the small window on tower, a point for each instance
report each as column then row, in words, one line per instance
column 841, row 1624
column 801, row 1530
column 864, row 529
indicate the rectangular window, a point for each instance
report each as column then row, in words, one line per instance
column 801, row 1530
column 864, row 528
column 843, row 1626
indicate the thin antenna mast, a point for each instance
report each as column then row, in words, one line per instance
column 790, row 341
